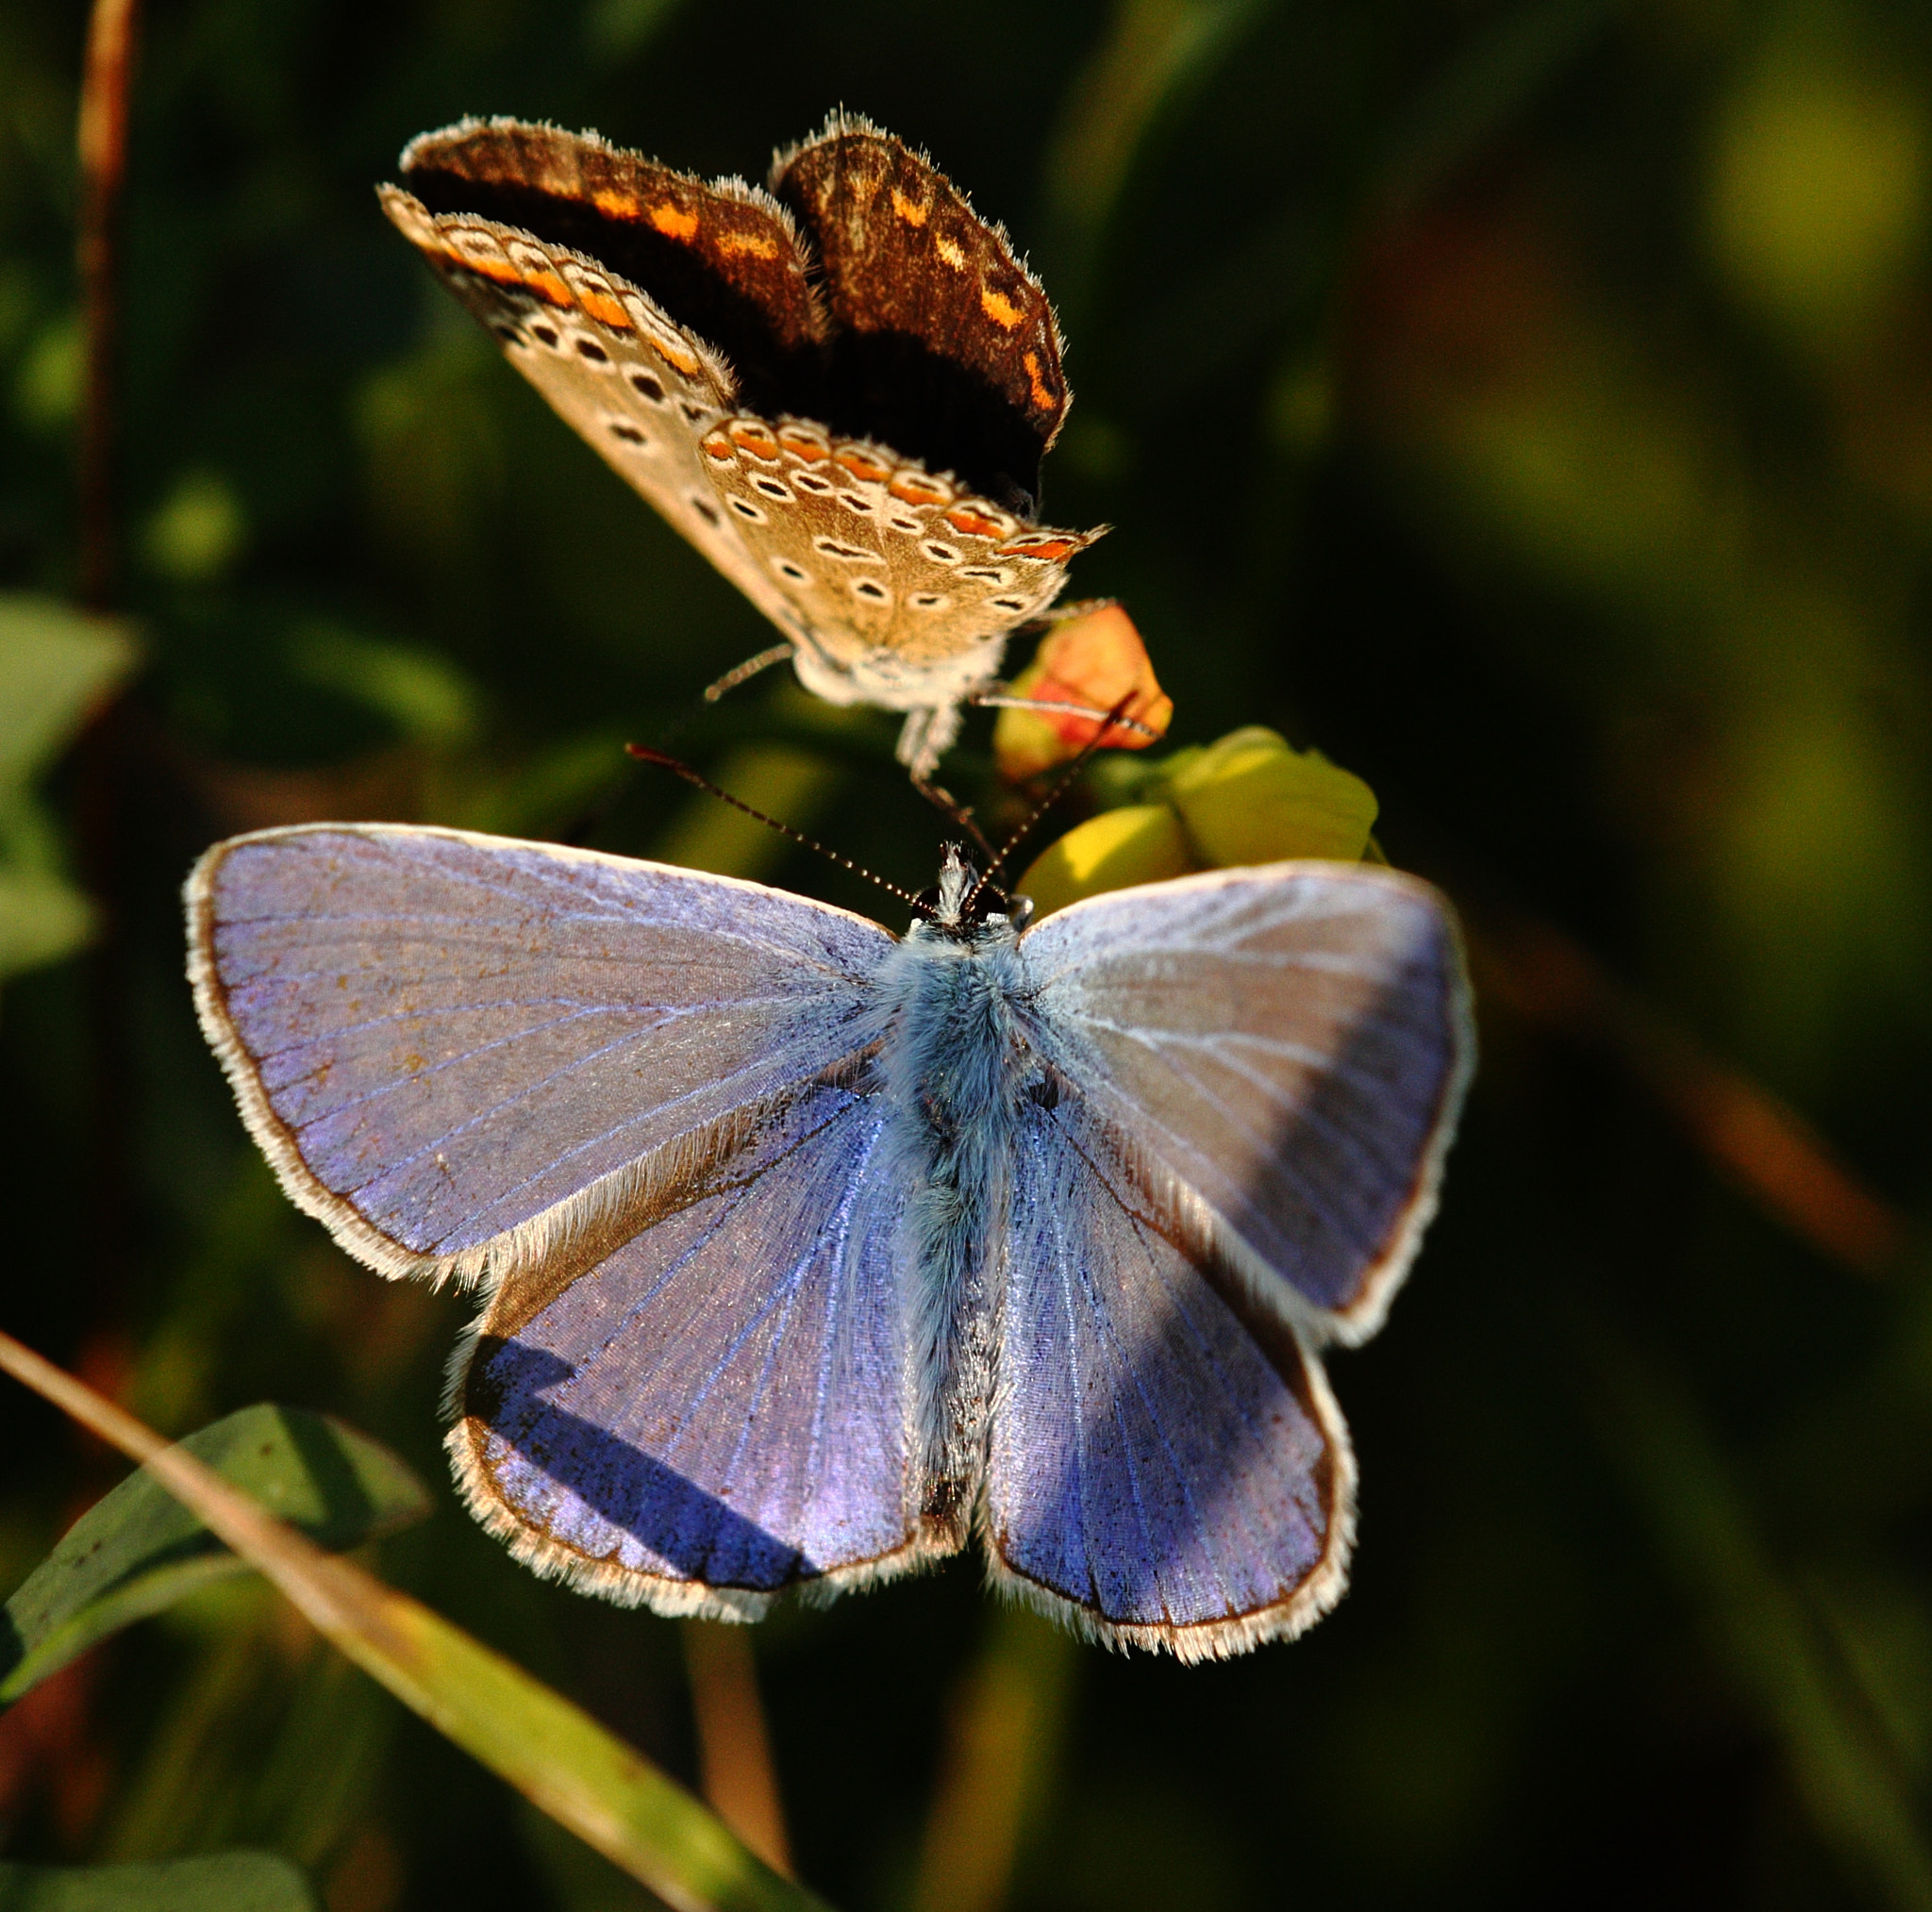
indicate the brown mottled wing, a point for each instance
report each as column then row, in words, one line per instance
column 724, row 258
column 641, row 390
column 943, row 344
column 896, row 572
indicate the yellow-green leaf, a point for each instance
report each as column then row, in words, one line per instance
column 54, row 664
column 216, row 1881
column 1139, row 843
column 1250, row 798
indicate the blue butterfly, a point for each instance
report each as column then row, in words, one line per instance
column 809, row 1251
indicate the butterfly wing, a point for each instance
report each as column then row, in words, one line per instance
column 637, row 387
column 1162, row 1472
column 943, row 343
column 1288, row 1045
column 905, row 581
column 465, row 1053
column 717, row 1409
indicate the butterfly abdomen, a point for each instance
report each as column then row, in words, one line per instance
column 956, row 1072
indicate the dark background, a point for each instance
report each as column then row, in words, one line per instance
column 1530, row 405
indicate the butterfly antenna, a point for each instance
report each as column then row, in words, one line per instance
column 1049, row 799
column 744, row 673
column 644, row 753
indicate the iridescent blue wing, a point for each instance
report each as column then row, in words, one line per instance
column 1285, row 1048
column 465, row 1054
column 1163, row 1472
column 717, row 1408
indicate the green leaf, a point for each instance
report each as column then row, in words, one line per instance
column 139, row 1550
column 41, row 919
column 54, row 664
column 427, row 697
column 219, row 1881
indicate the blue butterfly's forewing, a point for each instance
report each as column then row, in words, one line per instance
column 1289, row 1045
column 440, row 1039
column 1160, row 1471
column 717, row 1409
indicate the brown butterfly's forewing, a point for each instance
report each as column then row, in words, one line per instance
column 942, row 343
column 823, row 435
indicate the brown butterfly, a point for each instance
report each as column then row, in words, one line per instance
column 840, row 389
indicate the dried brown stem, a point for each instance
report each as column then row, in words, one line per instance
column 739, row 1783
column 106, row 83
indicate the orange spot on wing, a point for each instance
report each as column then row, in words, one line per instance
column 549, row 286
column 674, row 221
column 607, row 311
column 803, row 445
column 859, row 465
column 758, row 244
column 1047, row 550
column 963, row 518
column 915, row 488
column 618, row 205
column 687, row 362
column 999, row 309
column 718, row 448
column 1043, row 394
column 948, row 249
column 908, row 210
column 753, row 439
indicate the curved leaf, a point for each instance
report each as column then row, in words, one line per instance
column 137, row 1549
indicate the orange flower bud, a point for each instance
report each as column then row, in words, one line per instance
column 1091, row 661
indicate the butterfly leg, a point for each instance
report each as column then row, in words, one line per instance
column 925, row 738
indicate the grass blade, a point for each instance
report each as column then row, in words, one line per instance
column 551, row 1751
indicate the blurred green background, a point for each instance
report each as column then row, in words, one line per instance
column 1531, row 405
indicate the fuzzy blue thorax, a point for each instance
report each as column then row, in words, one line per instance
column 955, row 1065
